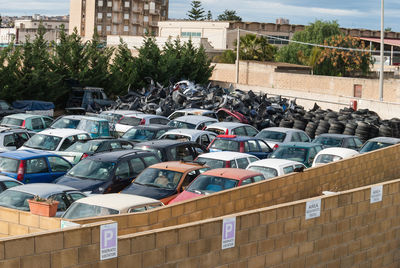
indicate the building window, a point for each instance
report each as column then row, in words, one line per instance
column 127, row 3
column 146, row 18
column 126, row 28
column 109, row 3
column 100, row 3
column 163, row 13
column 108, row 15
column 146, row 6
column 99, row 28
column 152, row 6
column 191, row 34
column 126, row 16
column 108, row 28
column 99, row 15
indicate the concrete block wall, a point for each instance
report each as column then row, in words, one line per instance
column 14, row 222
column 366, row 169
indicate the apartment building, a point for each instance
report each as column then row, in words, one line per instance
column 117, row 17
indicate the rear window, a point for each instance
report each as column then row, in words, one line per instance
column 216, row 130
column 12, row 121
column 327, row 158
column 272, row 135
column 225, row 145
column 329, row 141
column 178, row 124
column 8, row 165
column 81, row 210
column 212, row 163
column 290, row 153
column 66, row 123
column 130, row 121
column 205, row 184
column 266, row 171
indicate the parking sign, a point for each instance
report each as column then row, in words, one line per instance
column 108, row 241
column 228, row 233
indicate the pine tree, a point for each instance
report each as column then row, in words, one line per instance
column 197, row 11
column 229, row 15
column 209, row 15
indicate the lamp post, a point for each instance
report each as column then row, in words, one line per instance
column 382, row 54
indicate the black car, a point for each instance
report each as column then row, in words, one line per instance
column 339, row 140
column 108, row 172
column 7, row 109
column 144, row 133
column 173, row 150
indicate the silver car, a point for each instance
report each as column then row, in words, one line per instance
column 275, row 136
column 192, row 122
column 200, row 136
column 233, row 128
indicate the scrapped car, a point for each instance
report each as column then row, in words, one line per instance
column 173, row 150
column 192, row 122
column 192, row 111
column 232, row 128
column 164, row 181
column 109, row 172
column 216, row 180
column 87, row 99
column 199, row 136
column 131, row 120
column 31, row 166
column 7, row 183
column 303, row 152
column 226, row 159
column 95, row 126
column 275, row 136
column 31, row 122
column 339, row 140
column 145, row 133
column 109, row 204
column 13, row 138
column 7, row 109
column 82, row 149
column 226, row 115
column 275, row 167
column 333, row 154
column 242, row 144
column 18, row 196
column 378, row 143
column 55, row 139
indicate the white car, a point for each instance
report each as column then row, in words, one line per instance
column 58, row 139
column 333, row 154
column 226, row 159
column 275, row 136
column 232, row 128
column 192, row 122
column 131, row 120
column 200, row 136
column 109, row 204
column 275, row 167
column 192, row 111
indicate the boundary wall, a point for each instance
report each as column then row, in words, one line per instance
column 370, row 168
column 350, row 232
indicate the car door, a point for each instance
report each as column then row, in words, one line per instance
column 37, row 170
column 312, row 152
column 253, row 148
column 265, row 149
column 37, row 124
column 123, row 176
column 242, row 163
column 251, row 132
column 204, row 140
column 184, row 152
column 9, row 142
column 63, row 203
column 58, row 166
column 20, row 138
column 240, row 131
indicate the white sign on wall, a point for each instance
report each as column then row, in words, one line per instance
column 228, row 233
column 313, row 209
column 108, row 241
column 376, row 194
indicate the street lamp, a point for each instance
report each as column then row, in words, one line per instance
column 382, row 50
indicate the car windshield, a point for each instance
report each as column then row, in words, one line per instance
column 15, row 199
column 216, row 131
column 12, row 121
column 66, row 123
column 327, row 158
column 205, row 184
column 83, row 147
column 130, row 121
column 135, row 134
column 81, row 210
column 8, row 165
column 160, row 178
column 374, row 145
column 266, row 171
column 329, row 141
column 271, row 135
column 290, row 153
column 179, row 124
column 225, row 145
column 175, row 137
column 89, row 126
column 92, row 169
column 43, row 142
column 212, row 163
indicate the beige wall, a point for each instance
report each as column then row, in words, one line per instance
column 90, row 18
column 75, row 15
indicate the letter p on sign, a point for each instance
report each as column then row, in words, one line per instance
column 228, row 233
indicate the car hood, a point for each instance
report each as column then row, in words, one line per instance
column 84, row 185
column 185, row 195
column 148, row 191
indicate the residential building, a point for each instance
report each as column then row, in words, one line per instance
column 117, row 17
column 30, row 26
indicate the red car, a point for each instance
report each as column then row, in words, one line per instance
column 216, row 180
column 223, row 114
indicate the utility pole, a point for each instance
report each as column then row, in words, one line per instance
column 237, row 55
column 381, row 75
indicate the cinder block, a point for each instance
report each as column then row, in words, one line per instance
column 166, row 238
column 290, row 253
column 265, row 246
column 129, row 261
column 77, row 237
column 284, row 213
column 111, row 263
column 189, row 206
column 176, row 252
column 16, row 229
column 268, row 216
column 4, row 227
column 176, row 210
column 229, row 255
column 275, row 229
column 299, row 237
column 273, row 258
column 9, row 215
column 343, row 225
column 210, row 229
column 64, row 258
column 153, row 258
column 283, row 241
column 29, row 219
column 257, row 233
column 48, row 242
column 341, row 251
column 199, row 247
column 247, row 250
column 48, row 223
column 256, row 262
column 314, row 233
column 143, row 243
column 306, row 248
column 42, row 261
column 292, row 225
column 124, row 247
column 312, row 260
column 242, row 236
column 88, row 254
column 211, row 259
column 140, row 219
column 337, row 213
column 19, row 247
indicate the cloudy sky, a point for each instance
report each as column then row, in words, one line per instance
column 352, row 14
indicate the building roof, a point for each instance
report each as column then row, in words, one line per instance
column 391, row 42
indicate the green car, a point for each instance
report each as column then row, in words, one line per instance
column 31, row 122
column 303, row 152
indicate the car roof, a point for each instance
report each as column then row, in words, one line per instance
column 227, row 156
column 282, row 129
column 142, row 115
column 6, row 178
column 4, row 129
column 121, row 112
column 27, row 154
column 335, row 135
column 194, row 110
column 117, row 201
column 195, row 119
column 43, row 190
column 186, row 131
column 226, row 125
column 151, row 127
column 231, row 173
column 162, row 143
column 299, row 144
column 84, row 117
column 115, row 155
column 274, row 163
column 340, row 151
column 236, row 138
column 62, row 132
column 386, row 140
column 180, row 166
column 23, row 116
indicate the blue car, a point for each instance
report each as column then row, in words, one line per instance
column 242, row 144
column 30, row 166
